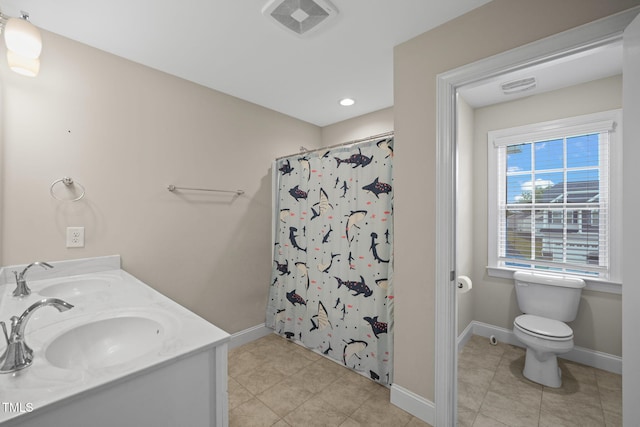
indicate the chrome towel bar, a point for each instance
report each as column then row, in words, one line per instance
column 172, row 188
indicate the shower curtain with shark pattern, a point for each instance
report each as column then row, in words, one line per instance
column 331, row 285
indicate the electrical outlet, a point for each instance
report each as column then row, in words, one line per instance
column 75, row 237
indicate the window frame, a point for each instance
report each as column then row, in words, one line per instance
column 589, row 123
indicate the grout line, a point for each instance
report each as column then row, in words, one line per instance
column 545, row 390
column 604, row 419
column 315, row 395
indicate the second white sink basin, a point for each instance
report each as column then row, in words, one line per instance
column 106, row 343
column 75, row 288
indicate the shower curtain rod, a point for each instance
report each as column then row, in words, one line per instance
column 344, row 144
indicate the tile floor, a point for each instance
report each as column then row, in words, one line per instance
column 267, row 387
column 492, row 391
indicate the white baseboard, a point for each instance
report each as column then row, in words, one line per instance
column 250, row 334
column 465, row 336
column 593, row 358
column 416, row 405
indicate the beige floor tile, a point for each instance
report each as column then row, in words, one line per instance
column 345, row 396
column 348, row 376
column 611, row 400
column 578, row 400
column 237, row 394
column 608, row 380
column 610, row 389
column 568, row 419
column 307, row 389
column 417, row 422
column 487, row 357
column 471, row 396
column 516, row 387
column 315, row 412
column 572, row 392
column 289, row 363
column 612, row 420
column 334, row 365
column 473, row 384
column 252, row 413
column 259, row 379
column 588, row 396
column 285, row 396
column 272, row 344
column 234, row 352
column 351, row 423
column 512, row 352
column 548, row 419
column 311, row 355
column 380, row 392
column 581, row 406
column 378, row 411
column 476, row 376
column 575, row 371
column 481, row 345
column 508, row 411
column 513, row 362
column 485, row 421
column 319, row 375
column 466, row 416
column 243, row 362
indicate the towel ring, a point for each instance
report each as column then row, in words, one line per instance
column 67, row 181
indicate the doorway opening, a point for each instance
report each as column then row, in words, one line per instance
column 600, row 36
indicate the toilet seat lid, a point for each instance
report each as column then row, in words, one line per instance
column 543, row 326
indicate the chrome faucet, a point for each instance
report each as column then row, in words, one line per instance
column 22, row 290
column 18, row 355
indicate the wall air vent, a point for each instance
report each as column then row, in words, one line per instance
column 300, row 16
column 520, row 85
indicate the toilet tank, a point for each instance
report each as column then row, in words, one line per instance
column 548, row 295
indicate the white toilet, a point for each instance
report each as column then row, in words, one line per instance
column 548, row 301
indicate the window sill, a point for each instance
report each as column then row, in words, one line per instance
column 597, row 285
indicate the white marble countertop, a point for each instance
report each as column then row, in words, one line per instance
column 109, row 292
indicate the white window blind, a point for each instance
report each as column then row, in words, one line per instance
column 552, row 197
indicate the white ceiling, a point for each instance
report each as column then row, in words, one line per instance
column 230, row 46
column 597, row 63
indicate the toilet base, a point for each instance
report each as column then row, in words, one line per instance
column 542, row 370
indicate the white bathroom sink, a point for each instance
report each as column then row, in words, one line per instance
column 106, row 343
column 76, row 288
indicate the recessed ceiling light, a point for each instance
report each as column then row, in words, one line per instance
column 346, row 102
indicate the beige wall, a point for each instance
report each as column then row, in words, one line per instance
column 496, row 27
column 465, row 210
column 125, row 131
column 599, row 322
column 357, row 128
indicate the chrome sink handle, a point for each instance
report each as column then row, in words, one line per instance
column 22, row 289
column 18, row 355
column 4, row 329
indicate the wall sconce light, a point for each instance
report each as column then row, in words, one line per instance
column 23, row 65
column 24, row 44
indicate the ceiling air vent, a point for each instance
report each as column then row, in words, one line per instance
column 300, row 16
column 515, row 86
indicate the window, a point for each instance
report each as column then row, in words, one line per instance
column 553, row 192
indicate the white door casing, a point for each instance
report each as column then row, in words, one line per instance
column 630, row 206
column 585, row 37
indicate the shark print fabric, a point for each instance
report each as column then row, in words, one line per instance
column 332, row 278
